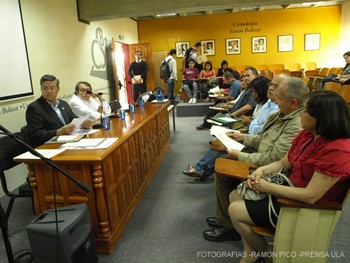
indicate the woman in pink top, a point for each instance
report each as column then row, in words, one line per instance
column 319, row 167
column 206, row 76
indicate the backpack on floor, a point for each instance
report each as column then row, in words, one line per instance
column 165, row 70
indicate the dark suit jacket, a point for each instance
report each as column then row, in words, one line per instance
column 43, row 122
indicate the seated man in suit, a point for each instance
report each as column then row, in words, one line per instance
column 48, row 116
column 273, row 143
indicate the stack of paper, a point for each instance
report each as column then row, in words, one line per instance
column 220, row 133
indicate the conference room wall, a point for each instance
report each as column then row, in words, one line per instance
column 271, row 24
column 59, row 44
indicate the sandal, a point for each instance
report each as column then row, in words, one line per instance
column 191, row 172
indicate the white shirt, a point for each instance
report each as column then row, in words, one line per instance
column 88, row 107
column 172, row 67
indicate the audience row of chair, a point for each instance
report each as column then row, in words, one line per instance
column 342, row 90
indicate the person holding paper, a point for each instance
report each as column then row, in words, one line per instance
column 49, row 116
column 138, row 74
column 273, row 143
column 244, row 105
column 83, row 104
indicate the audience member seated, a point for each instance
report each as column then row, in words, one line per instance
column 205, row 167
column 48, row 116
column 233, row 90
column 269, row 107
column 244, row 105
column 221, row 71
column 83, row 104
column 260, row 93
column 189, row 78
column 271, row 145
column 208, row 78
column 315, row 172
column 344, row 77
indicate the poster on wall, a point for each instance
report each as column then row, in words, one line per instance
column 312, row 41
column 208, row 47
column 233, row 46
column 259, row 44
column 285, row 43
column 181, row 48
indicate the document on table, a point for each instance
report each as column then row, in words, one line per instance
column 47, row 153
column 77, row 122
column 220, row 133
column 94, row 143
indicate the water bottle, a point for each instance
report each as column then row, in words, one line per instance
column 159, row 94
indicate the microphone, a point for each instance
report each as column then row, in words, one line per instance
column 99, row 93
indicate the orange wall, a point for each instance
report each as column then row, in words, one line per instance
column 164, row 33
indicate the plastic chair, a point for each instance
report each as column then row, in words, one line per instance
column 9, row 148
column 300, row 227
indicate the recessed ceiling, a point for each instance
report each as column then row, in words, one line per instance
column 95, row 10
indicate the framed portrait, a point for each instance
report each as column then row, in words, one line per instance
column 208, row 47
column 312, row 41
column 181, row 48
column 259, row 44
column 285, row 43
column 233, row 46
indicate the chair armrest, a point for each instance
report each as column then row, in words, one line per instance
column 218, row 146
column 232, row 168
column 324, row 206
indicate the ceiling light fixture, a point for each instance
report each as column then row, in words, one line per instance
column 166, row 15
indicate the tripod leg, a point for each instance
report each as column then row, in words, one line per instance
column 4, row 229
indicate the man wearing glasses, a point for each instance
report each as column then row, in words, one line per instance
column 138, row 73
column 83, row 104
column 48, row 116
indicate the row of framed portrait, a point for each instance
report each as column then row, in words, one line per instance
column 258, row 44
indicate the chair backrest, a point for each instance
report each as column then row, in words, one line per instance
column 309, row 65
column 273, row 67
column 280, row 71
column 9, row 148
column 266, row 73
column 261, row 67
column 324, row 72
column 330, row 85
column 333, row 71
column 344, row 91
column 293, row 66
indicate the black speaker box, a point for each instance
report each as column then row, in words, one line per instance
column 72, row 243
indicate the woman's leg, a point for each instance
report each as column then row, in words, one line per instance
column 195, row 89
column 252, row 242
column 188, row 91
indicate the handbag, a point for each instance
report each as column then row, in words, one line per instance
column 249, row 194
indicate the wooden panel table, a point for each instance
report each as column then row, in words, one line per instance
column 118, row 176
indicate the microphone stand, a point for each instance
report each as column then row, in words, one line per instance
column 3, row 218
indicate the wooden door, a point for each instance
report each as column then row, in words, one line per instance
column 146, row 50
column 158, row 58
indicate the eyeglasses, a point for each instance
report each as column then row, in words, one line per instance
column 52, row 88
column 83, row 90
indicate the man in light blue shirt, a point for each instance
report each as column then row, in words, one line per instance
column 269, row 107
